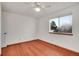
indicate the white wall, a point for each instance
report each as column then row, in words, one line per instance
column 0, row 28
column 19, row 28
column 69, row 42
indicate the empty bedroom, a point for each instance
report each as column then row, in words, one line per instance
column 39, row 28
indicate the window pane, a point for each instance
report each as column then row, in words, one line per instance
column 53, row 25
column 55, row 20
column 66, row 24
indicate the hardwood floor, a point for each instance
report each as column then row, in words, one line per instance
column 36, row 48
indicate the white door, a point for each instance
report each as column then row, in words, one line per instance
column 0, row 28
column 3, row 33
column 3, row 30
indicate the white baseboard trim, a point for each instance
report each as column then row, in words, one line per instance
column 4, row 46
column 60, row 45
column 19, row 42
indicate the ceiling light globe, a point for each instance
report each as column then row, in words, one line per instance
column 37, row 9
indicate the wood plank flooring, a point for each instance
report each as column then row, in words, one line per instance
column 36, row 48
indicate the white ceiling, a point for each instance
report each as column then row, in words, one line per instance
column 26, row 8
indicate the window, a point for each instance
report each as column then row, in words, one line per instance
column 61, row 25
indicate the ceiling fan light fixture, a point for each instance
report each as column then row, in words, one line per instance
column 37, row 9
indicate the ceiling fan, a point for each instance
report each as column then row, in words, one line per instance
column 38, row 6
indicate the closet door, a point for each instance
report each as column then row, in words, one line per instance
column 0, row 28
column 3, row 30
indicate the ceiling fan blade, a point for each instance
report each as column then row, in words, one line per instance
column 48, row 6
